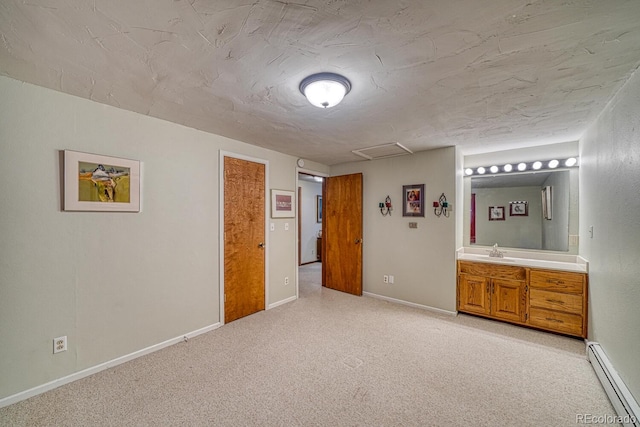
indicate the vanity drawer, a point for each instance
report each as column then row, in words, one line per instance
column 559, row 281
column 492, row 270
column 568, row 303
column 556, row 321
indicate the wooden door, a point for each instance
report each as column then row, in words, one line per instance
column 473, row 294
column 507, row 299
column 342, row 233
column 244, row 238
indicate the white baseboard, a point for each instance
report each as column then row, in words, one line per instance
column 411, row 304
column 621, row 398
column 9, row 400
column 284, row 301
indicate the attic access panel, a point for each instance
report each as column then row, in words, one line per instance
column 383, row 151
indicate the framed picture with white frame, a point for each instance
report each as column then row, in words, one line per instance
column 282, row 204
column 93, row 182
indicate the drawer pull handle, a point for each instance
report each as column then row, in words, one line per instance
column 557, row 282
column 555, row 301
column 554, row 320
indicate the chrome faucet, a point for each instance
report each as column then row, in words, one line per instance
column 495, row 253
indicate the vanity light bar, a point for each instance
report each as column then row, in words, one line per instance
column 523, row 166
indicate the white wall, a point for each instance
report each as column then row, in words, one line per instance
column 609, row 183
column 561, row 150
column 114, row 283
column 421, row 260
column 309, row 225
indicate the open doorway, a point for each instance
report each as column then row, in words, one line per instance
column 309, row 219
column 309, row 233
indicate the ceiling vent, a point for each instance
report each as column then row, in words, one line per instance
column 383, row 151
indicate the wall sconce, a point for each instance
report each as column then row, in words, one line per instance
column 386, row 208
column 441, row 207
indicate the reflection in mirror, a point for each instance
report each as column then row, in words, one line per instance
column 524, row 225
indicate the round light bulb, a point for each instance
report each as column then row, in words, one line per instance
column 570, row 161
column 507, row 167
column 537, row 165
column 468, row 171
column 481, row 170
column 553, row 164
column 522, row 166
column 493, row 169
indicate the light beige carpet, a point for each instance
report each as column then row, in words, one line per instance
column 332, row 359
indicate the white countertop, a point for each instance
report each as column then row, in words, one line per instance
column 548, row 260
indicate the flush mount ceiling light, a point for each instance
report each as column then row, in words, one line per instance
column 325, row 90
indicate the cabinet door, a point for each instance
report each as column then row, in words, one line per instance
column 473, row 294
column 508, row 299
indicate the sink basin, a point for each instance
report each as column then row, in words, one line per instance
column 487, row 258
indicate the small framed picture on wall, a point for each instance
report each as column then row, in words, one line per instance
column 519, row 208
column 282, row 204
column 413, row 200
column 496, row 213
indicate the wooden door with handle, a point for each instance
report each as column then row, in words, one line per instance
column 342, row 233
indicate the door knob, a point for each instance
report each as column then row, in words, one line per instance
column 261, row 245
column 358, row 241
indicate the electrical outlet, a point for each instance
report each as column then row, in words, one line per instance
column 272, row 227
column 286, row 280
column 286, row 226
column 385, row 278
column 59, row 344
column 391, row 279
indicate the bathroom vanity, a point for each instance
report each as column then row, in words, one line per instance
column 540, row 290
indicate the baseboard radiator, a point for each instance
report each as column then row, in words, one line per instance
column 621, row 398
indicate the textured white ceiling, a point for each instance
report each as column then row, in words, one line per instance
column 481, row 74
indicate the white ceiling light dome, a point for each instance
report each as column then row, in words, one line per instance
column 325, row 90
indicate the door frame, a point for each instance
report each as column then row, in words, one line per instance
column 297, row 222
column 223, row 155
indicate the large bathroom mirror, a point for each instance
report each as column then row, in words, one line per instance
column 532, row 211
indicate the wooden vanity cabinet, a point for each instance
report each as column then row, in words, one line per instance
column 492, row 290
column 545, row 299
